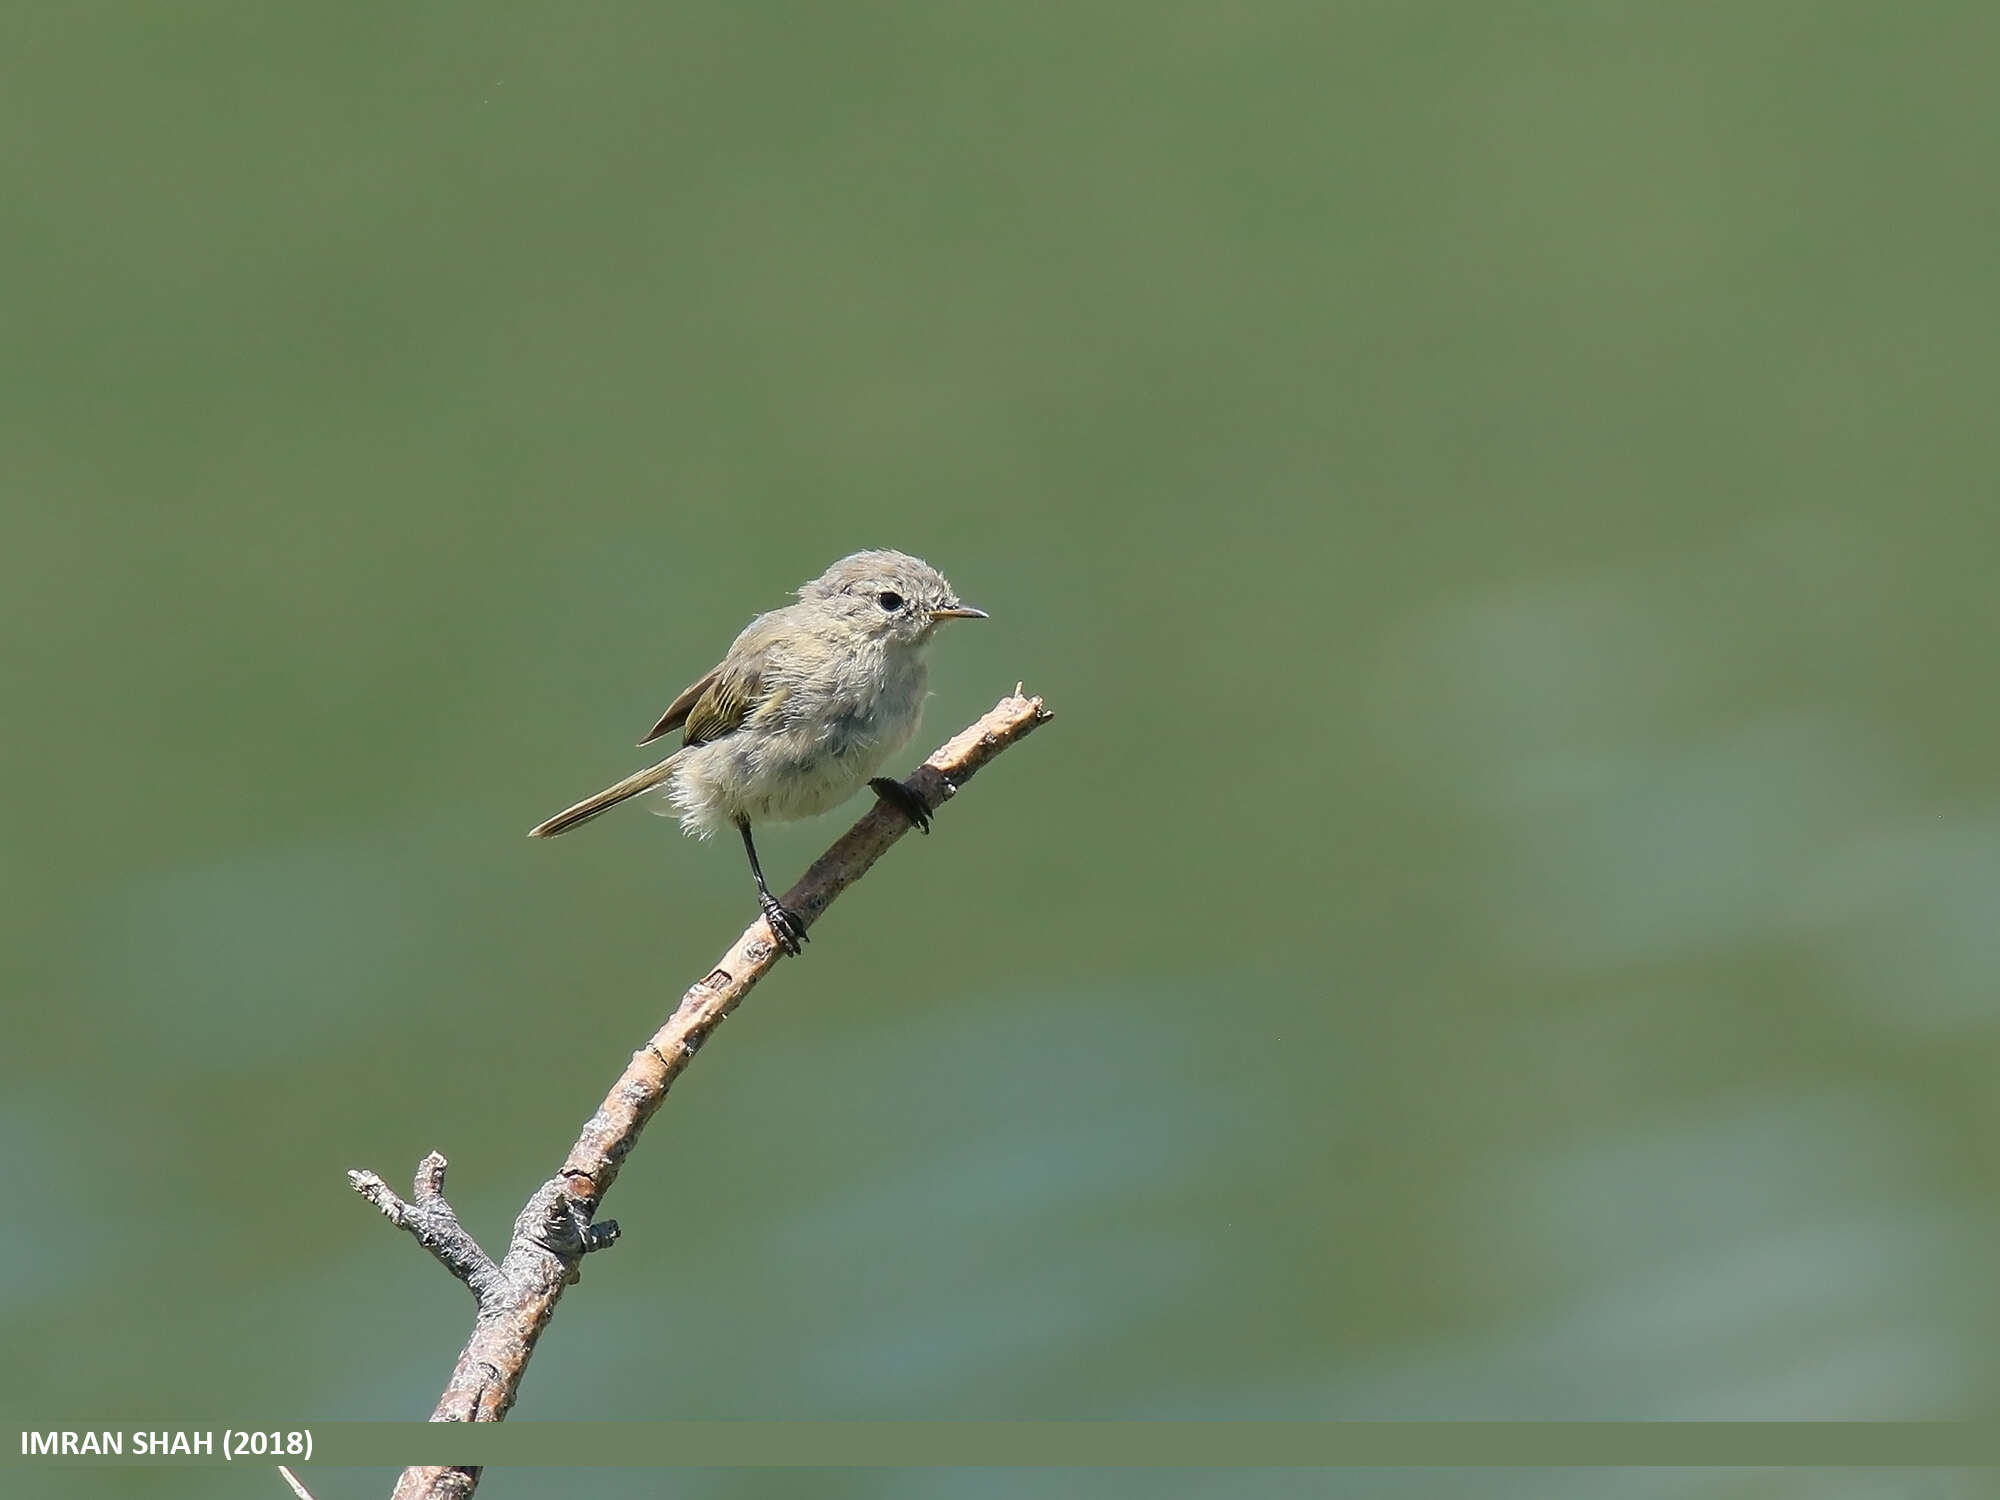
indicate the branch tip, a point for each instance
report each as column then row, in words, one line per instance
column 430, row 1176
column 431, row 1222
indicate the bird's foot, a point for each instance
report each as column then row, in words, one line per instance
column 909, row 803
column 786, row 925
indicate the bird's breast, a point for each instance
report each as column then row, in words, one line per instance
column 831, row 736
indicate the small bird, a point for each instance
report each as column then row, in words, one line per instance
column 809, row 702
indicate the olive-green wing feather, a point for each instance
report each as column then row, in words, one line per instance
column 747, row 682
column 678, row 710
column 723, row 707
column 739, row 690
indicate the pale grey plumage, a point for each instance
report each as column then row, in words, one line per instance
column 803, row 711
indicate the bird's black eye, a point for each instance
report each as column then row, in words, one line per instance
column 890, row 600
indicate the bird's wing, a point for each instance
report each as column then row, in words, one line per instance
column 678, row 710
column 753, row 679
column 738, row 687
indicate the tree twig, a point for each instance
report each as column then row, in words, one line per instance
column 557, row 1227
column 430, row 1218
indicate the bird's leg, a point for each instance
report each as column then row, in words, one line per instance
column 909, row 803
column 785, row 925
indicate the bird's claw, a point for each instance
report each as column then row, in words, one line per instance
column 786, row 925
column 906, row 801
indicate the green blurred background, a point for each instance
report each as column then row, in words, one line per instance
column 1500, row 499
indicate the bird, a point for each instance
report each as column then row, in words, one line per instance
column 803, row 710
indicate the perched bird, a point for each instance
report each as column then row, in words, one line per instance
column 809, row 702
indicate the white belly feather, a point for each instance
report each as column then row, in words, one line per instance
column 810, row 751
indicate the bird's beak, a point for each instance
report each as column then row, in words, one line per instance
column 958, row 612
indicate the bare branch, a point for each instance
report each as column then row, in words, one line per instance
column 430, row 1218
column 556, row 1227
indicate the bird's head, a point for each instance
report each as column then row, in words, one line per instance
column 889, row 596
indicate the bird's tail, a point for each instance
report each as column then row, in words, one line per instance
column 611, row 796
